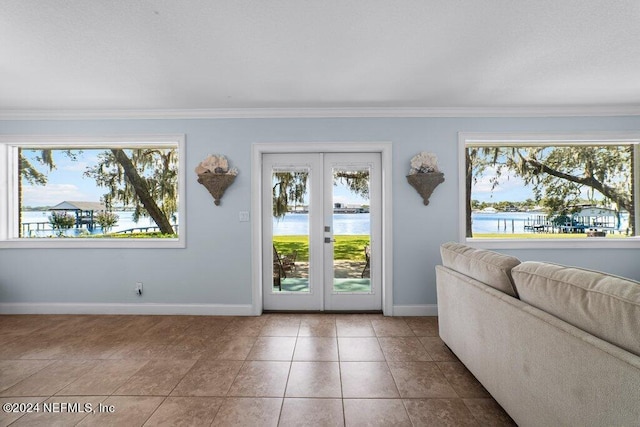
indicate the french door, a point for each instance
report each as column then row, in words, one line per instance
column 321, row 243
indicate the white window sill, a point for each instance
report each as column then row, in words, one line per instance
column 587, row 243
column 55, row 243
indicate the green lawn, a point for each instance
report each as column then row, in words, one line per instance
column 345, row 247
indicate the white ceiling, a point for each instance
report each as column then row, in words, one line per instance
column 115, row 55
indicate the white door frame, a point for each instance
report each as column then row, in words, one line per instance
column 385, row 150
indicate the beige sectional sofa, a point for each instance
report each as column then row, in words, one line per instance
column 554, row 345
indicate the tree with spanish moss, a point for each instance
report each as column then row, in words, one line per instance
column 146, row 178
column 561, row 175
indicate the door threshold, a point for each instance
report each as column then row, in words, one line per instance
column 322, row 312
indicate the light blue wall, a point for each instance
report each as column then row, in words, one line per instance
column 215, row 268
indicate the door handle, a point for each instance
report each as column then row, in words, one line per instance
column 329, row 240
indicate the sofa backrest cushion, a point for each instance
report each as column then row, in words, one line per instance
column 490, row 268
column 601, row 304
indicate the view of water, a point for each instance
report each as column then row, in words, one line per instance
column 499, row 222
column 125, row 222
column 350, row 224
column 511, row 222
column 495, row 222
column 298, row 223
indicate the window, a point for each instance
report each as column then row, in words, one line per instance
column 92, row 191
column 549, row 190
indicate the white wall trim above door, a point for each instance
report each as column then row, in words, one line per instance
column 385, row 150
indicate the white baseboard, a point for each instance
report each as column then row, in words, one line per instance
column 173, row 309
column 149, row 308
column 416, row 310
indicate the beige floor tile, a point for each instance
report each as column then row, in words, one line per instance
column 316, row 349
column 439, row 413
column 312, row 412
column 185, row 411
column 181, row 352
column 88, row 347
column 367, row 380
column 317, row 327
column 404, row 349
column 9, row 416
column 84, row 352
column 462, row 381
column 86, row 357
column 13, row 326
column 375, row 412
column 420, row 380
column 127, row 411
column 392, row 327
column 261, row 379
column 156, row 377
column 208, row 378
column 205, row 326
column 29, row 347
column 423, row 326
column 359, row 350
column 281, row 328
column 61, row 411
column 246, row 327
column 488, row 413
column 51, row 379
column 194, row 342
column 314, row 379
column 14, row 371
column 104, row 378
column 273, row 348
column 168, row 329
column 140, row 351
column 228, row 347
column 437, row 349
column 138, row 325
column 354, row 328
column 248, row 411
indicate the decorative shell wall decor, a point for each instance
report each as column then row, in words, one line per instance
column 424, row 175
column 214, row 173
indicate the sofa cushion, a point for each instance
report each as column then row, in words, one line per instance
column 604, row 305
column 490, row 268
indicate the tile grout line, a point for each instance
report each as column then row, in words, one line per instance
column 344, row 414
column 286, row 384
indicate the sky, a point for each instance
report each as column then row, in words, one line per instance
column 65, row 182
column 342, row 194
column 510, row 188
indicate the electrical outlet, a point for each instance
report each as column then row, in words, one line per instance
column 243, row 216
column 138, row 289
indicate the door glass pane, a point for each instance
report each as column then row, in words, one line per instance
column 351, row 230
column 290, row 230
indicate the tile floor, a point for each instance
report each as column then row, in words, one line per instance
column 276, row 369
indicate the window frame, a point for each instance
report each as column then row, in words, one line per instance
column 546, row 139
column 9, row 203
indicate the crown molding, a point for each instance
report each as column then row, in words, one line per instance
column 286, row 113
